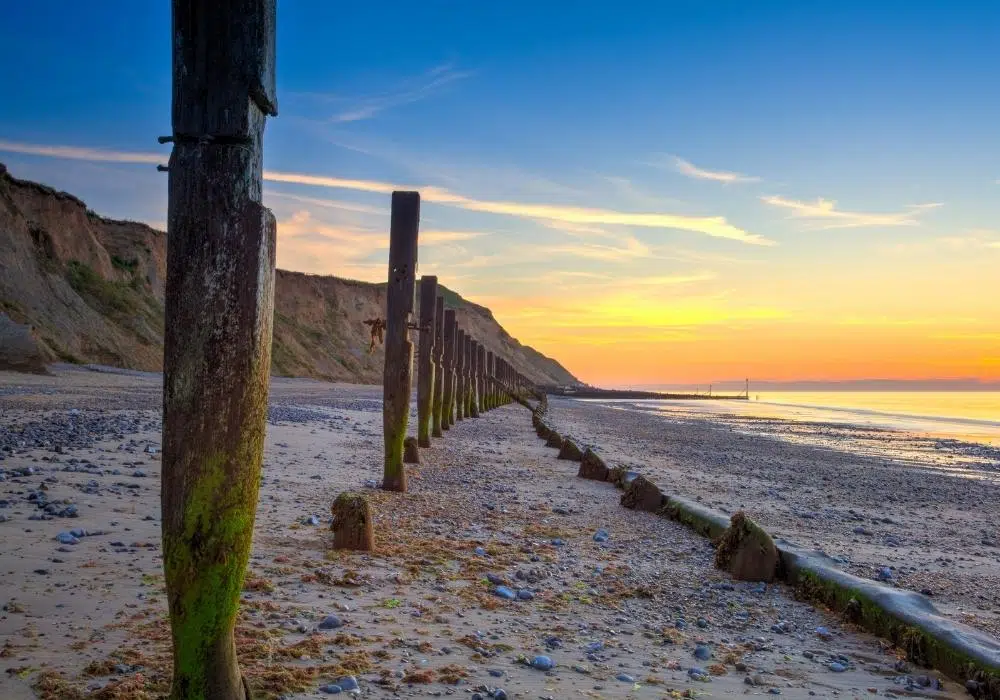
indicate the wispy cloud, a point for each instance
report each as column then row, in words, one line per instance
column 823, row 213
column 76, row 153
column 689, row 169
column 327, row 203
column 410, row 91
column 715, row 226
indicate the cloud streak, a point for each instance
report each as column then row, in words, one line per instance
column 823, row 213
column 691, row 170
column 426, row 85
column 714, row 226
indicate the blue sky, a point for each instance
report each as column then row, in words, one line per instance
column 801, row 160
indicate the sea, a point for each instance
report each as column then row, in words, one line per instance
column 956, row 431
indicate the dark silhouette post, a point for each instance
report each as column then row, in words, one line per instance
column 219, row 310
column 447, row 402
column 459, row 374
column 398, row 375
column 425, row 376
column 438, row 367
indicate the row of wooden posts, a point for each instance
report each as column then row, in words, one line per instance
column 458, row 377
column 219, row 313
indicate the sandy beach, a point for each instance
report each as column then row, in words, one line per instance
column 643, row 614
column 900, row 512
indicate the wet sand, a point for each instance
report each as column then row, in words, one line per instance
column 642, row 615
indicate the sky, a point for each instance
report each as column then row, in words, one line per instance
column 650, row 192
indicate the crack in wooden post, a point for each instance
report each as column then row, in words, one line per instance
column 459, row 374
column 438, row 408
column 447, row 400
column 398, row 375
column 426, row 370
column 219, row 310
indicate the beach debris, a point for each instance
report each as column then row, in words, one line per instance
column 746, row 551
column 643, row 494
column 352, row 522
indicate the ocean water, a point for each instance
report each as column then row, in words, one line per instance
column 958, row 432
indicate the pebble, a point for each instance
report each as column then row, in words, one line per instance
column 331, row 689
column 348, row 684
column 625, row 678
column 505, row 593
column 331, row 622
column 837, row 667
column 602, row 535
column 67, row 538
column 542, row 663
column 702, row 652
column 525, row 594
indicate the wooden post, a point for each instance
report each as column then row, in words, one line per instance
column 425, row 379
column 352, row 522
column 397, row 377
column 474, row 377
column 490, row 387
column 438, row 367
column 481, row 368
column 447, row 402
column 219, row 309
column 460, row 375
column 467, row 396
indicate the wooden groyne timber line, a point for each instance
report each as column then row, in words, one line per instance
column 588, row 392
column 219, row 314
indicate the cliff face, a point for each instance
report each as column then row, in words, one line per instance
column 77, row 287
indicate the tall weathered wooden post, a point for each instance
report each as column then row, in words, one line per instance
column 219, row 310
column 438, row 367
column 447, row 402
column 459, row 374
column 474, row 378
column 467, row 396
column 491, row 391
column 425, row 378
column 398, row 375
column 454, row 376
column 481, row 370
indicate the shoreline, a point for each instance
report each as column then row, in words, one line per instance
column 641, row 615
column 910, row 521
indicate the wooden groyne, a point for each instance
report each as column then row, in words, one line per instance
column 595, row 393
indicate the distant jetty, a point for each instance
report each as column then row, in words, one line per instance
column 589, row 392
